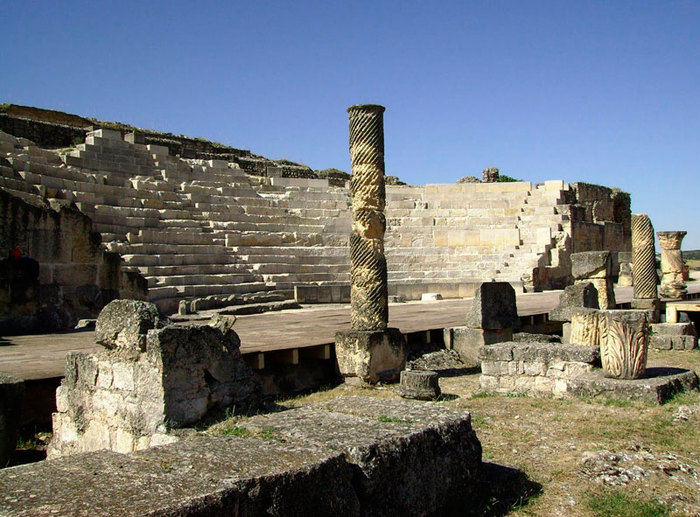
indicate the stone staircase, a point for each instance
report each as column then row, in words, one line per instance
column 206, row 230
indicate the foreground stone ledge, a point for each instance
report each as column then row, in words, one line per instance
column 348, row 456
column 410, row 458
column 197, row 476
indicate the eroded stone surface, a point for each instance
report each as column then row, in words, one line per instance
column 203, row 475
column 534, row 368
column 123, row 324
column 419, row 385
column 392, row 443
column 658, row 385
column 371, row 356
column 493, row 307
column 583, row 294
column 125, row 402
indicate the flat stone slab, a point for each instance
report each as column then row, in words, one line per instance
column 348, row 456
column 539, row 351
column 659, row 385
column 204, row 475
column 411, row 458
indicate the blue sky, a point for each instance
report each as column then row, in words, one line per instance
column 603, row 92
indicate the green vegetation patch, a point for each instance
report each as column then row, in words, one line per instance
column 615, row 503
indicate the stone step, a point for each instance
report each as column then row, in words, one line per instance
column 132, row 259
column 193, row 291
column 203, row 269
column 201, row 279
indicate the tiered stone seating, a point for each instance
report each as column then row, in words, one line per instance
column 205, row 229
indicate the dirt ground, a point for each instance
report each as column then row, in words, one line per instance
column 589, row 456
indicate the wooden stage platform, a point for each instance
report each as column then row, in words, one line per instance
column 279, row 336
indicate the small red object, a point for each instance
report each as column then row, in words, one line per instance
column 16, row 253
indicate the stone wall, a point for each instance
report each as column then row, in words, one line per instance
column 534, row 368
column 76, row 277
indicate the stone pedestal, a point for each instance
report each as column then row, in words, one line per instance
column 11, row 394
column 595, row 267
column 672, row 285
column 371, row 355
column 419, row 385
column 624, row 340
column 147, row 380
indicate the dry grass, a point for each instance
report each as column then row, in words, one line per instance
column 548, row 437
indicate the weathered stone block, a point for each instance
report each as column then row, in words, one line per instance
column 575, row 296
column 493, row 307
column 125, row 401
column 658, row 385
column 466, row 341
column 673, row 336
column 591, row 264
column 11, row 395
column 373, row 356
column 123, row 324
column 388, row 442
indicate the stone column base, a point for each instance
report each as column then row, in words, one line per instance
column 372, row 355
column 651, row 305
column 466, row 341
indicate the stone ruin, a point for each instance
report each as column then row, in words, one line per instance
column 211, row 226
column 150, row 378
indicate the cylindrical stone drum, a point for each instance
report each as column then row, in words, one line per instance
column 624, row 341
column 368, row 272
column 419, row 384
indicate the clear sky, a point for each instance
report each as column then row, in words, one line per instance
column 603, row 92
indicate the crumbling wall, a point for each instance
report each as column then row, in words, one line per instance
column 149, row 378
column 601, row 220
column 76, row 277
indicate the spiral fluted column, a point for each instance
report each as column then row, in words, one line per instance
column 368, row 294
column 370, row 350
column 644, row 274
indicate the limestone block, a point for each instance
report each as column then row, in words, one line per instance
column 419, row 385
column 466, row 341
column 591, row 264
column 123, row 324
column 673, row 336
column 373, row 356
column 11, row 399
column 624, row 340
column 493, row 307
column 430, row 297
column 585, row 325
column 580, row 295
